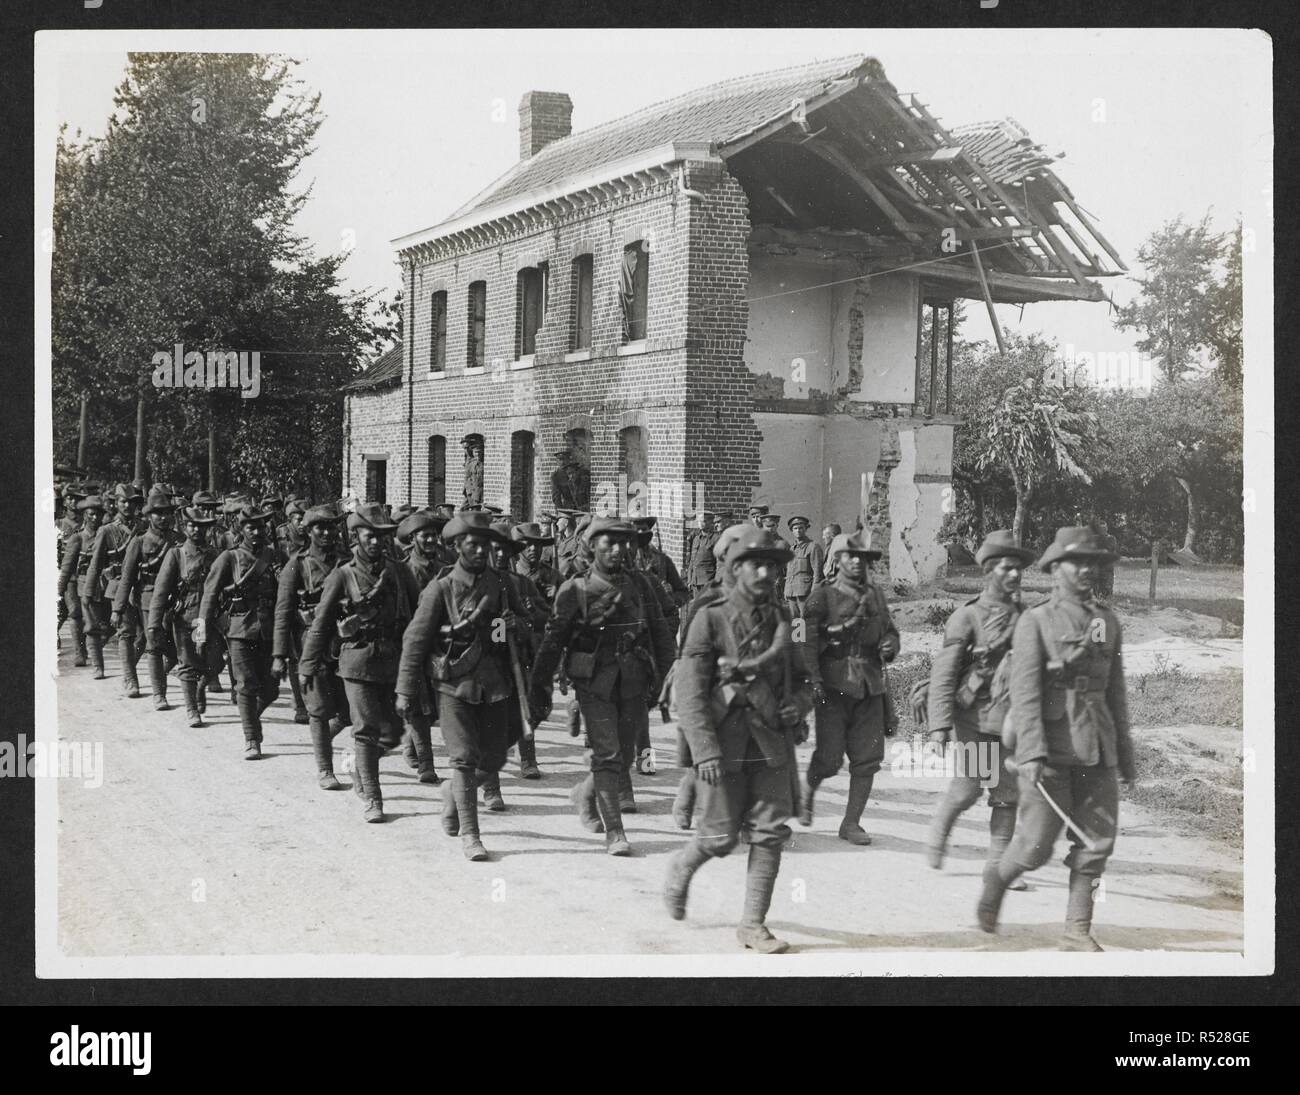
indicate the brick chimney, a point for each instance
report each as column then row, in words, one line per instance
column 544, row 116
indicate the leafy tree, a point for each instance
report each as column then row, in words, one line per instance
column 1172, row 311
column 1225, row 315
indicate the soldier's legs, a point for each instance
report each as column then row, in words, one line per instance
column 73, row 602
column 269, row 689
column 864, row 743
column 471, row 733
column 1095, row 809
column 633, row 730
column 246, row 665
column 768, row 806
column 1037, row 827
column 96, row 628
column 193, row 666
column 421, row 734
column 962, row 793
column 830, row 722
column 300, row 712
column 126, row 654
column 373, row 716
column 318, row 696
column 610, row 736
column 795, row 604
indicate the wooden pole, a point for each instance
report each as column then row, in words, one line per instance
column 1155, row 568
column 139, row 438
column 81, row 431
column 212, row 452
column 988, row 297
column 947, row 401
column 934, row 357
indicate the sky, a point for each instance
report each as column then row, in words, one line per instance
column 1153, row 124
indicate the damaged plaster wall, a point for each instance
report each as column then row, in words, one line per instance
column 888, row 370
column 920, row 490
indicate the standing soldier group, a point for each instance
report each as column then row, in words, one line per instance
column 427, row 617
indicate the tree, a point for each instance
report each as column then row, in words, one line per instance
column 178, row 227
column 1224, row 333
column 1173, row 311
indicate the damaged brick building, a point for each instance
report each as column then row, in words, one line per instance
column 714, row 301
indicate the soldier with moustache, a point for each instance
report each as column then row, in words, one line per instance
column 960, row 705
column 422, row 530
column 140, row 566
column 619, row 648
column 742, row 700
column 1069, row 728
column 529, row 562
column 72, row 577
column 174, row 608
column 102, row 577
column 453, row 637
column 298, row 593
column 366, row 603
column 241, row 586
column 849, row 637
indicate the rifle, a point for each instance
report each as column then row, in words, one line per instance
column 521, row 687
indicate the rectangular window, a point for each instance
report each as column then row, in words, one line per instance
column 581, row 337
column 376, row 480
column 530, row 310
column 437, row 470
column 476, row 354
column 633, row 290
column 438, row 332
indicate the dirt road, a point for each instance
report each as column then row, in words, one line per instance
column 187, row 849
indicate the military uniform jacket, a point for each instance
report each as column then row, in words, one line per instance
column 424, row 568
column 64, row 529
column 106, row 557
column 140, row 566
column 850, row 661
column 76, row 558
column 545, row 578
column 251, row 608
column 615, row 620
column 663, row 568
column 982, row 622
column 301, row 584
column 382, row 595
column 703, row 565
column 1068, row 700
column 804, row 571
column 179, row 586
column 291, row 540
column 719, row 719
column 460, row 595
column 565, row 550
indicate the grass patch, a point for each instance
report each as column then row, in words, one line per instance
column 1171, row 697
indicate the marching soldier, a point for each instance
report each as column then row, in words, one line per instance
column 804, row 574
column 367, row 603
column 241, row 586
column 566, row 541
column 174, row 607
column 659, row 564
column 960, row 703
column 422, row 530
column 72, row 578
column 102, row 577
column 301, row 583
column 771, row 522
column 70, row 527
column 140, row 565
column 1069, row 720
column 452, row 636
column 619, row 647
column 742, row 704
column 530, row 561
column 704, row 566
column 291, row 536
column 208, row 504
column 849, row 636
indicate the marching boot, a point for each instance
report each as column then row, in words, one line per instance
column 936, row 844
column 213, row 681
column 300, row 715
column 575, row 718
column 806, row 802
column 466, row 795
column 859, row 791
column 684, row 803
column 408, row 749
column 996, row 880
column 1002, row 826
column 607, row 796
column 421, row 739
column 1078, row 915
column 450, row 818
column 491, row 784
column 158, row 682
column 190, row 690
column 681, row 869
column 252, row 725
column 201, row 694
column 367, row 780
column 96, row 644
column 583, row 797
column 760, row 881
column 323, row 746
column 626, row 799
column 79, row 634
column 528, row 759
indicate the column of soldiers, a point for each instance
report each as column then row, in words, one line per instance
column 467, row 620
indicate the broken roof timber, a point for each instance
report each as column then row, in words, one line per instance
column 1006, row 288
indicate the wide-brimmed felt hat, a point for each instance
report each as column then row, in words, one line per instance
column 1077, row 541
column 505, row 529
column 1001, row 543
column 645, row 523
column 91, row 501
column 271, row 501
column 127, row 492
column 248, row 514
column 297, row 506
column 757, row 544
column 370, row 515
column 198, row 517
column 320, row 515
column 75, row 490
column 798, row 517
column 727, row 537
column 420, row 519
column 204, row 498
column 856, row 542
column 159, row 502
column 766, row 516
column 471, row 522
column 530, row 532
column 608, row 526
